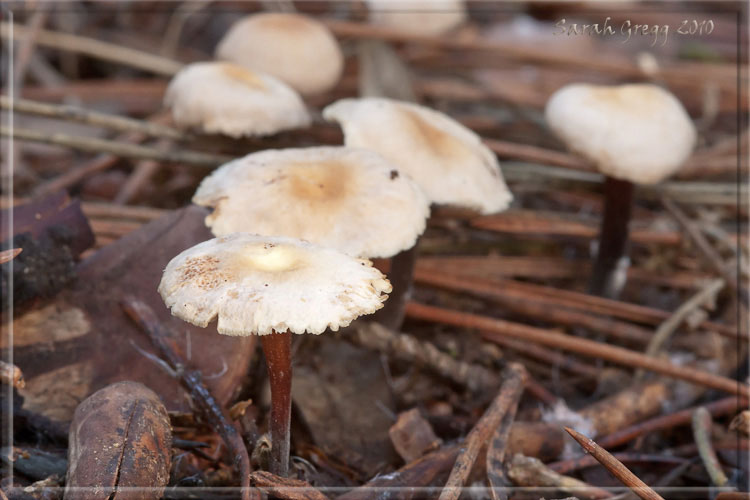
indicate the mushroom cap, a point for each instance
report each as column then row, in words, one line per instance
column 423, row 17
column 448, row 161
column 638, row 133
column 258, row 284
column 294, row 48
column 224, row 98
column 346, row 198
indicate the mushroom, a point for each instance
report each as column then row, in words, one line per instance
column 224, row 98
column 294, row 48
column 424, row 17
column 634, row 134
column 446, row 159
column 272, row 287
column 346, row 198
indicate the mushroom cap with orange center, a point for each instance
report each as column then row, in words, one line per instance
column 296, row 49
column 256, row 285
column 637, row 132
column 446, row 159
column 346, row 198
column 224, row 98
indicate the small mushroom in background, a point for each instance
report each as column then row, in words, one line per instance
column 344, row 198
column 296, row 49
column 447, row 160
column 423, row 17
column 634, row 134
column 272, row 287
column 224, row 98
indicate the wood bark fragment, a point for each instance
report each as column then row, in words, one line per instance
column 285, row 488
column 120, row 445
column 412, row 436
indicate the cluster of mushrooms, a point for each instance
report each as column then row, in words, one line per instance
column 295, row 227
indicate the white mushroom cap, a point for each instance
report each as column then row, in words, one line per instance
column 424, row 17
column 258, row 284
column 638, row 133
column 448, row 161
column 349, row 199
column 224, row 98
column 294, row 48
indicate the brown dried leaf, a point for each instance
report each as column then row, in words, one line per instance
column 120, row 437
column 412, row 435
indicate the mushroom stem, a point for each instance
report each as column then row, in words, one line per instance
column 608, row 274
column 401, row 277
column 277, row 349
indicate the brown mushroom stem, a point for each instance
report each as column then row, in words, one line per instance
column 613, row 238
column 277, row 349
column 401, row 276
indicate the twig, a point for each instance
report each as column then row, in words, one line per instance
column 492, row 328
column 526, row 304
column 108, row 210
column 72, row 113
column 96, row 48
column 514, row 377
column 531, row 472
column 702, row 423
column 145, row 318
column 496, row 455
column 668, row 327
column 615, row 467
column 91, row 145
column 11, row 375
column 141, row 174
column 704, row 247
column 582, row 462
column 559, row 297
column 407, row 348
column 535, row 154
column 717, row 408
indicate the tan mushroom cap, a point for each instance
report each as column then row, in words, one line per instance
column 446, row 159
column 424, row 17
column 257, row 285
column 638, row 133
column 349, row 199
column 294, row 48
column 224, row 98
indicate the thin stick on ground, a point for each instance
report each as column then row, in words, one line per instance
column 668, row 327
column 146, row 319
column 92, row 145
column 89, row 117
column 96, row 48
column 705, row 248
column 493, row 328
column 682, row 417
column 614, row 466
column 702, row 423
column 514, row 377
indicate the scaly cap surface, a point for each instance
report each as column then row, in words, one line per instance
column 258, row 284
